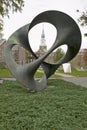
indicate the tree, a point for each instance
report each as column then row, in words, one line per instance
column 59, row 53
column 1, row 25
column 10, row 5
column 7, row 5
column 83, row 19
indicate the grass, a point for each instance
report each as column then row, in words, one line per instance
column 63, row 106
column 79, row 73
column 5, row 73
column 75, row 73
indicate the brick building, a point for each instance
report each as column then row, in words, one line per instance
column 81, row 59
column 19, row 54
column 2, row 63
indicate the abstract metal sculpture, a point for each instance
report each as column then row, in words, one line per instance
column 68, row 33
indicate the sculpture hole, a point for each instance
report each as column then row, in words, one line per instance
column 39, row 73
column 20, row 55
column 42, row 37
column 59, row 53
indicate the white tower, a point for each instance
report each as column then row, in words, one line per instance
column 43, row 46
column 43, row 40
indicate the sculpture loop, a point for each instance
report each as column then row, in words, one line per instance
column 68, row 33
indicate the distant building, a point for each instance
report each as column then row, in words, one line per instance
column 81, row 59
column 43, row 49
column 18, row 53
column 2, row 63
column 2, row 41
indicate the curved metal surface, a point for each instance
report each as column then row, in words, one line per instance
column 68, row 33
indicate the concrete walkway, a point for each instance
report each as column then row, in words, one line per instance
column 63, row 75
column 11, row 79
column 82, row 81
column 1, row 81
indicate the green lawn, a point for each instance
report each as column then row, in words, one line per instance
column 75, row 72
column 79, row 73
column 62, row 106
column 5, row 73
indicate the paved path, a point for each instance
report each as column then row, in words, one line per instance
column 1, row 81
column 82, row 81
column 64, row 75
column 11, row 79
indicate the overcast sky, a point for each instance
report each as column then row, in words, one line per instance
column 33, row 8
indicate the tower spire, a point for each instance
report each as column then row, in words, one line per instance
column 43, row 40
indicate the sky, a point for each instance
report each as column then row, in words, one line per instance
column 32, row 8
